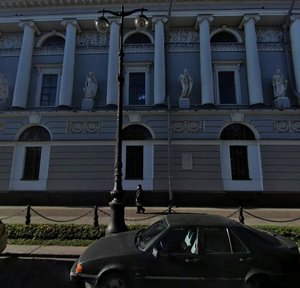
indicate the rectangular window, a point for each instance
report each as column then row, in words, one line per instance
column 137, row 88
column 49, row 90
column 32, row 163
column 134, row 162
column 239, row 163
column 226, row 83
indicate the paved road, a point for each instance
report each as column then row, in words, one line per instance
column 35, row 273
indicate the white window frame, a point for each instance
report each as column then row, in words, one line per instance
column 47, row 69
column 147, row 181
column 16, row 182
column 228, row 66
column 137, row 67
column 254, row 165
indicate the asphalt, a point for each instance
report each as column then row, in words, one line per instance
column 87, row 215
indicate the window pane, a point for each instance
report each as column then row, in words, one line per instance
column 137, row 89
column 237, row 132
column 239, row 163
column 227, row 87
column 223, row 37
column 49, row 88
column 216, row 240
column 237, row 245
column 134, row 162
column 32, row 163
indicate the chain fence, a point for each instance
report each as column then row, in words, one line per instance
column 96, row 211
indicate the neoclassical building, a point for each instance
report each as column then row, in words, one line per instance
column 211, row 102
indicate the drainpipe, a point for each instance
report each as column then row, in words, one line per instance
column 170, row 205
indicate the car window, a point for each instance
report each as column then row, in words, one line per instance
column 152, row 231
column 180, row 240
column 216, row 240
column 237, row 245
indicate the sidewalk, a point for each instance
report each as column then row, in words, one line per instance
column 83, row 215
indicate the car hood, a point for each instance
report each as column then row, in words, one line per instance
column 120, row 244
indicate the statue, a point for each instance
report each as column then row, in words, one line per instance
column 186, row 82
column 279, row 85
column 90, row 87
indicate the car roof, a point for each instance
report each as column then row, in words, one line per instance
column 200, row 219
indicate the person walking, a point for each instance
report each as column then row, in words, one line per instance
column 139, row 199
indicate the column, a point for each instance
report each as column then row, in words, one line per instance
column 295, row 45
column 113, row 64
column 67, row 76
column 159, row 61
column 206, row 74
column 253, row 67
column 20, row 95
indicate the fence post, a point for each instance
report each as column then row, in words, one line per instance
column 28, row 215
column 241, row 217
column 96, row 224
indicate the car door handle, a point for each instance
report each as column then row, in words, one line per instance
column 246, row 259
column 191, row 260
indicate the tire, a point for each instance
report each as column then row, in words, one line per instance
column 114, row 280
column 252, row 283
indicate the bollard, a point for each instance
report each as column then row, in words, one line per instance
column 241, row 217
column 28, row 215
column 96, row 224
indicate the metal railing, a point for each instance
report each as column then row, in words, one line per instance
column 97, row 212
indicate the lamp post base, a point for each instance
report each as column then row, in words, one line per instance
column 117, row 223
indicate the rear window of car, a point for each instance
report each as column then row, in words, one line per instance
column 256, row 237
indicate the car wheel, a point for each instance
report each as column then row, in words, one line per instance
column 252, row 283
column 115, row 280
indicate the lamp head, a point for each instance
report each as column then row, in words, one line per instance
column 141, row 22
column 102, row 24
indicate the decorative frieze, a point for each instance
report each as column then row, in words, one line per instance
column 188, row 126
column 269, row 36
column 284, row 126
column 84, row 127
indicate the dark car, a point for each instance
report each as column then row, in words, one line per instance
column 190, row 250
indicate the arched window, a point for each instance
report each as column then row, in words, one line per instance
column 138, row 38
column 138, row 156
column 31, row 160
column 223, row 36
column 136, row 132
column 54, row 41
column 35, row 133
column 237, row 132
column 241, row 167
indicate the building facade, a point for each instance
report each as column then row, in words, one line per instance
column 211, row 102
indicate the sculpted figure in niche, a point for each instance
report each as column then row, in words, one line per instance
column 90, row 87
column 279, row 84
column 186, row 82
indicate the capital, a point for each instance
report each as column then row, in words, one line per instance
column 295, row 17
column 203, row 18
column 249, row 17
column 31, row 25
column 73, row 22
column 157, row 19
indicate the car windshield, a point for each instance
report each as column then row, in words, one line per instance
column 144, row 237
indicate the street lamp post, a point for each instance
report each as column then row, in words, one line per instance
column 117, row 223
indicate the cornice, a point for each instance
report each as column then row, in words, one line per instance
column 11, row 4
